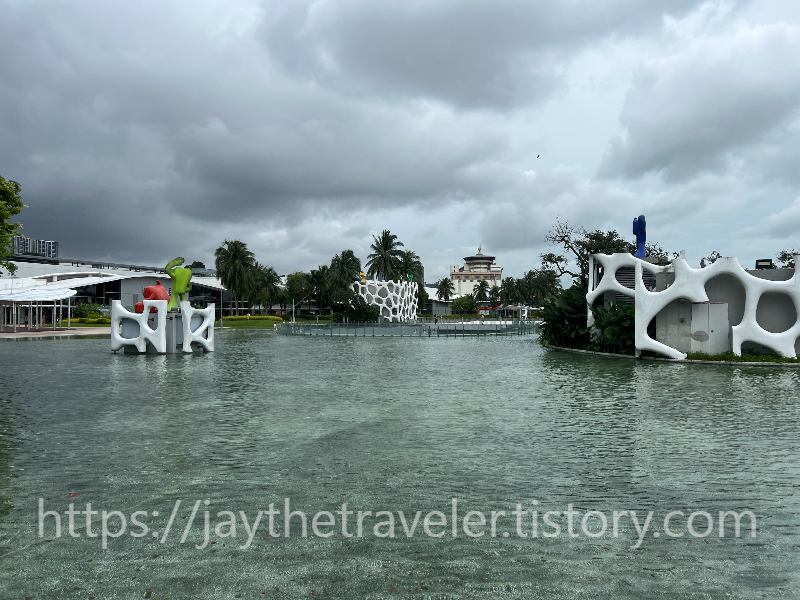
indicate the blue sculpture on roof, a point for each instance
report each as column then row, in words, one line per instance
column 640, row 231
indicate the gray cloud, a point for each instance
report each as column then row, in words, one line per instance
column 693, row 110
column 471, row 54
column 142, row 131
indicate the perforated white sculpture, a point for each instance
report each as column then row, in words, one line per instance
column 397, row 301
column 690, row 284
column 132, row 329
column 203, row 334
column 157, row 336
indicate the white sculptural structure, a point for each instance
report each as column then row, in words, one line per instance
column 690, row 284
column 166, row 331
column 397, row 301
column 128, row 334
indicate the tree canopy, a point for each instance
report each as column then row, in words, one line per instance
column 386, row 257
column 576, row 245
column 10, row 206
column 445, row 289
column 235, row 264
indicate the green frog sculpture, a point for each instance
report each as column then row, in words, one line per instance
column 181, row 281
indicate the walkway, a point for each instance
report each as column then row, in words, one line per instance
column 45, row 332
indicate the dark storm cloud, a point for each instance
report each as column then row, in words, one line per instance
column 694, row 110
column 469, row 54
column 136, row 129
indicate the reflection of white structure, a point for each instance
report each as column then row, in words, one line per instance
column 397, row 301
column 476, row 268
column 692, row 285
column 189, row 329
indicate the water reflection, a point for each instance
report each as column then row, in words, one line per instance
column 395, row 424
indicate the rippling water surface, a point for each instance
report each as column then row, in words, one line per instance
column 390, row 424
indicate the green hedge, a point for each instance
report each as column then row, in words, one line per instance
column 93, row 320
column 253, row 318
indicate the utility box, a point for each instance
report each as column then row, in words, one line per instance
column 710, row 327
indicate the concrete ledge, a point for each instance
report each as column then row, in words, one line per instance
column 674, row 361
column 58, row 333
column 603, row 354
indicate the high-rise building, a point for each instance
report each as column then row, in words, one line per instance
column 22, row 245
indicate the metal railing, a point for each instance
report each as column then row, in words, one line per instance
column 455, row 329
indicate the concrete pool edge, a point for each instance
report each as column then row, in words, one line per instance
column 675, row 361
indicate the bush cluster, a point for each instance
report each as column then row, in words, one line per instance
column 94, row 319
column 83, row 311
column 253, row 318
column 358, row 312
column 564, row 324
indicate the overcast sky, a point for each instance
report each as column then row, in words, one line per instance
column 143, row 131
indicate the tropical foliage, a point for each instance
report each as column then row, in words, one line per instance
column 235, row 265
column 464, row 305
column 532, row 288
column 576, row 245
column 85, row 309
column 10, row 205
column 358, row 312
column 386, row 258
column 614, row 328
column 564, row 318
column 343, row 271
column 565, row 325
column 481, row 291
column 445, row 289
column 262, row 287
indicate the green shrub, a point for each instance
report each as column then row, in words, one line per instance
column 100, row 320
column 359, row 312
column 253, row 318
column 564, row 317
column 85, row 310
column 614, row 328
column 464, row 305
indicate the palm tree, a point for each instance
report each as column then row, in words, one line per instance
column 481, row 291
column 494, row 294
column 410, row 264
column 234, row 264
column 445, row 289
column 539, row 284
column 299, row 287
column 508, row 290
column 320, row 279
column 343, row 271
column 263, row 286
column 386, row 256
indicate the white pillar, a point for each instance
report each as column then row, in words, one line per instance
column 69, row 313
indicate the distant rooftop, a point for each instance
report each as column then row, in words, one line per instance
column 99, row 264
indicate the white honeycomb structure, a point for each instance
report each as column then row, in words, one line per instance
column 690, row 284
column 397, row 301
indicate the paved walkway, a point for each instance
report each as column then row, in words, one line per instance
column 45, row 332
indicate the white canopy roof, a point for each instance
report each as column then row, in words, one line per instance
column 38, row 295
